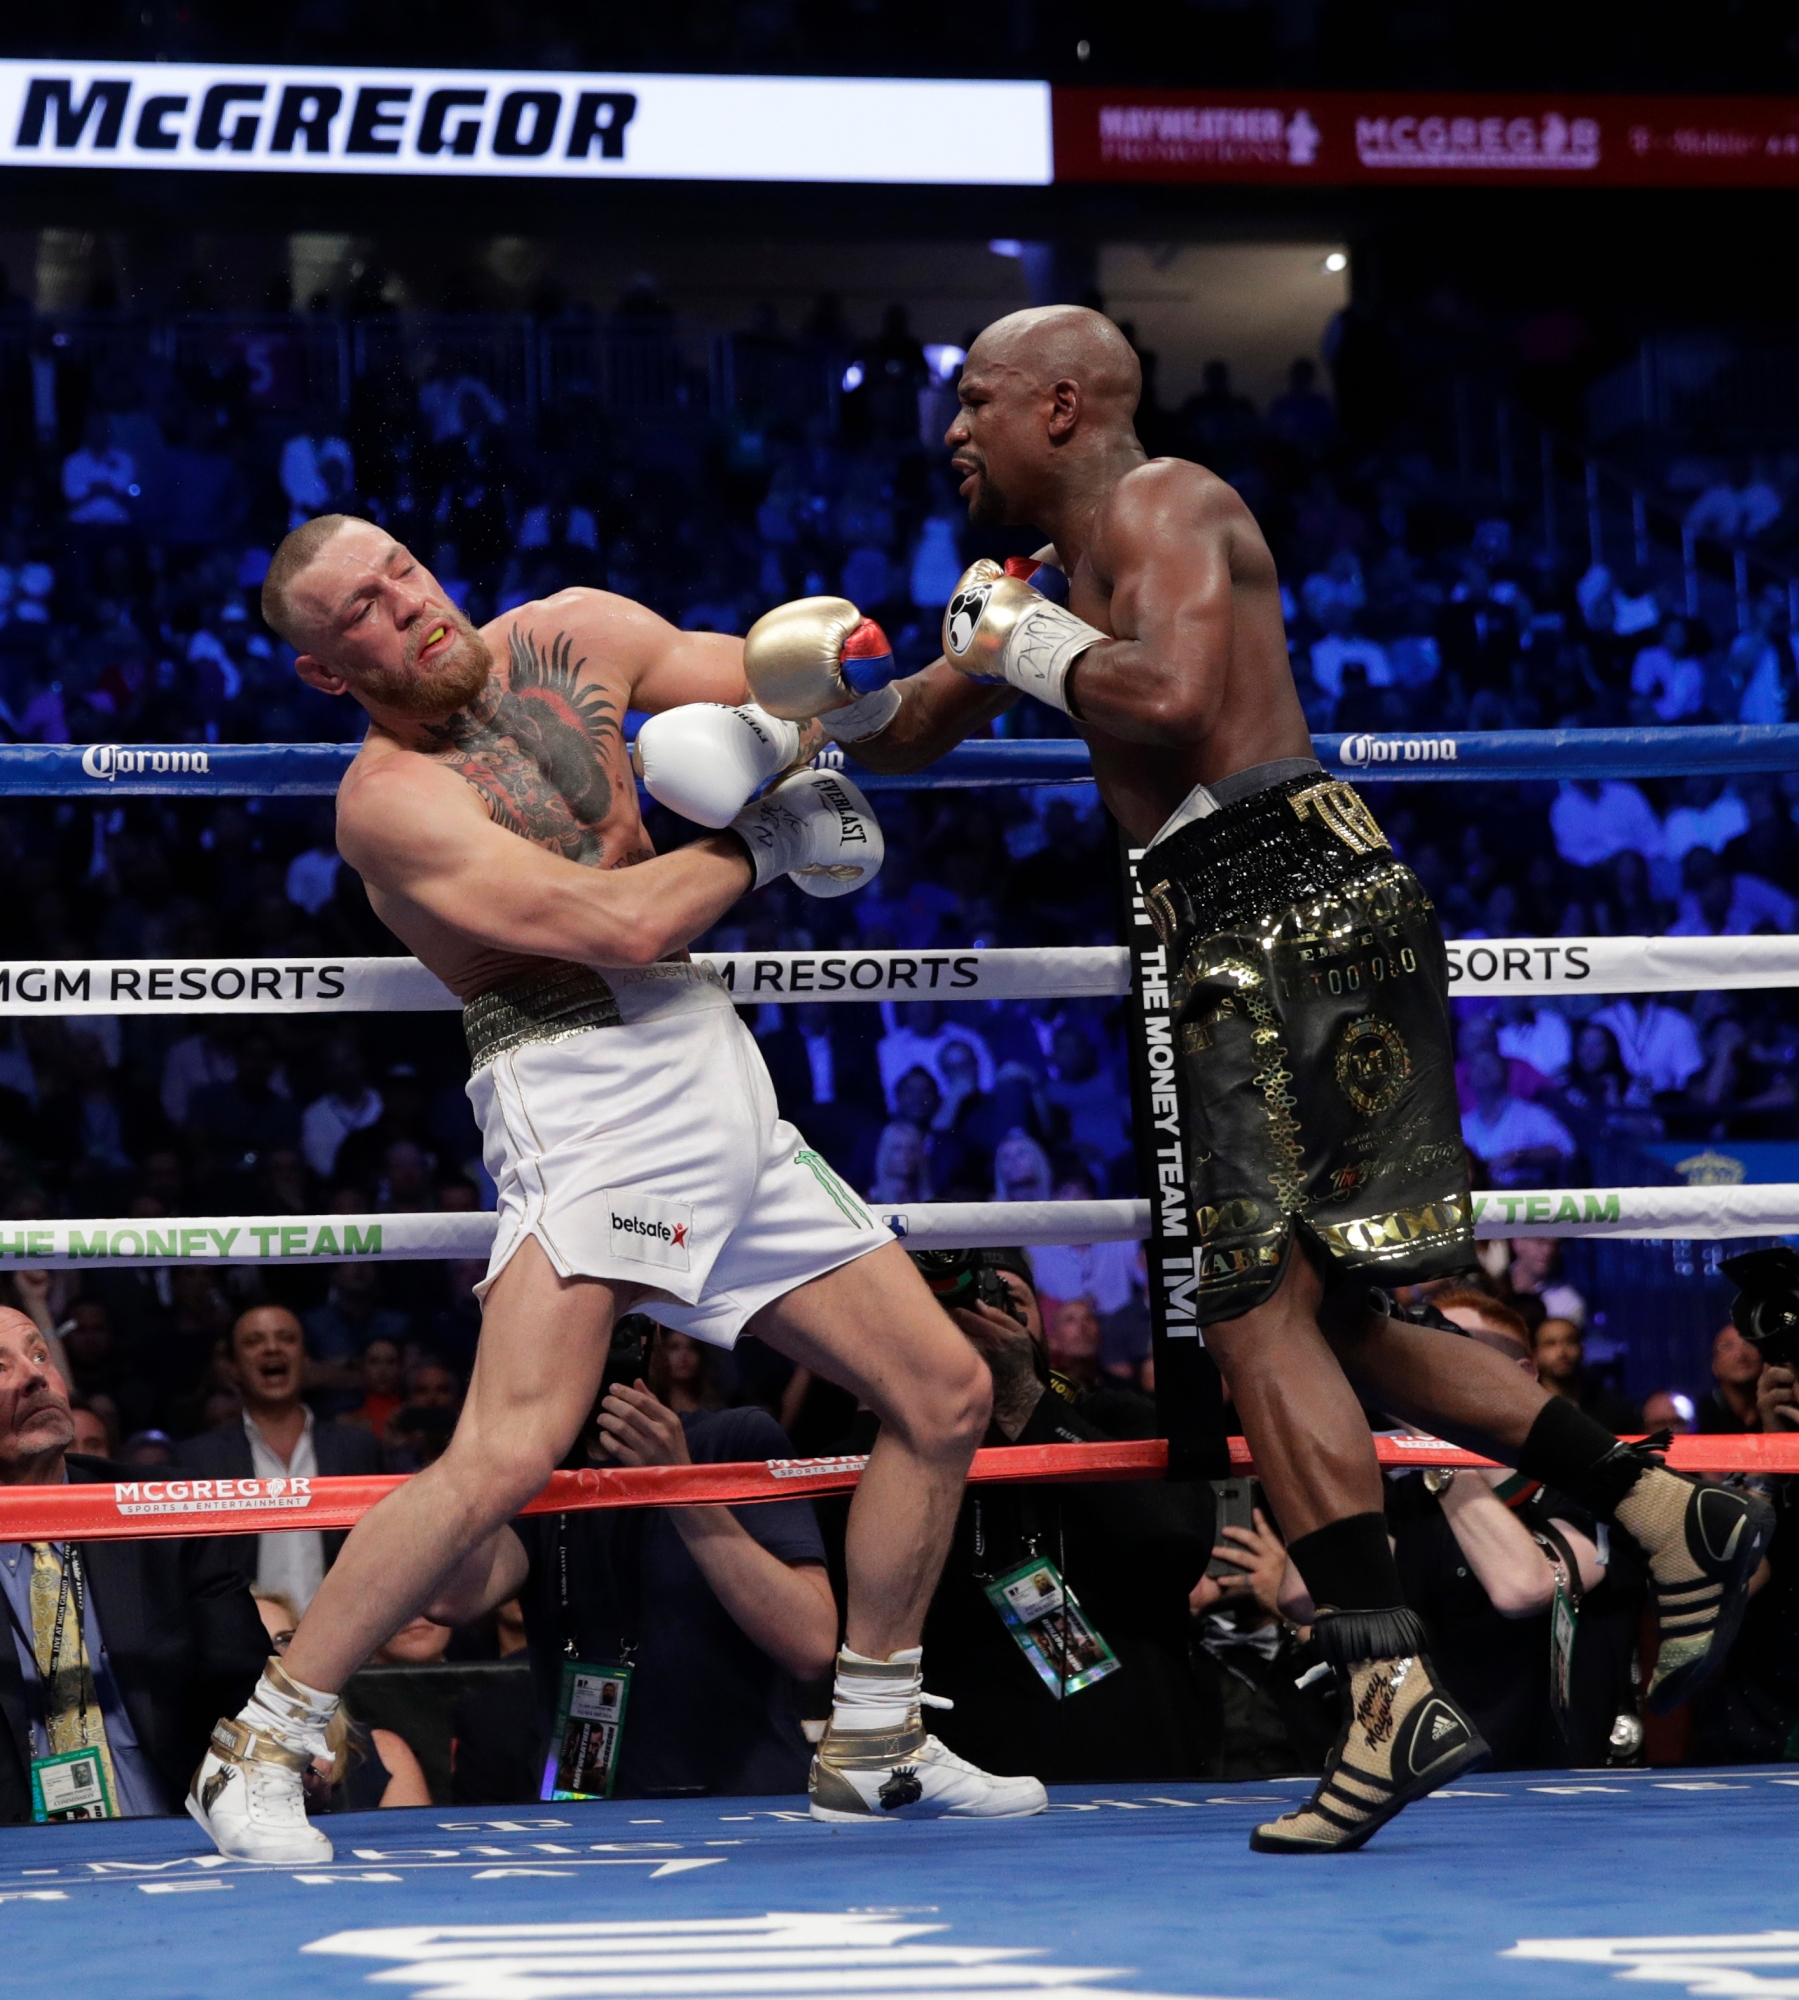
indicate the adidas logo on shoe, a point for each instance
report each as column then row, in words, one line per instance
column 1443, row 1726
column 1714, row 1508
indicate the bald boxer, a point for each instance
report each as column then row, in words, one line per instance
column 628, row 1123
column 1307, row 973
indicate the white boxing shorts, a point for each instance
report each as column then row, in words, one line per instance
column 629, row 1124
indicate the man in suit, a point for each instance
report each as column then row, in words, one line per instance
column 278, row 1437
column 821, row 1060
column 125, row 1650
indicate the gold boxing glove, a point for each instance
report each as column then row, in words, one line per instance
column 819, row 656
column 998, row 628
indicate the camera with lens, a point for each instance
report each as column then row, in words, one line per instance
column 1765, row 1310
column 628, row 1360
column 960, row 1278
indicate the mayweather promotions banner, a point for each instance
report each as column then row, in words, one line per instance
column 266, row 118
column 1424, row 138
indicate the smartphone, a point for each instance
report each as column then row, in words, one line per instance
column 1236, row 1509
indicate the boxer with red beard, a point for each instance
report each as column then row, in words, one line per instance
column 628, row 1120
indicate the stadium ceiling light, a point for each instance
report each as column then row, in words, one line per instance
column 1006, row 246
column 1338, row 260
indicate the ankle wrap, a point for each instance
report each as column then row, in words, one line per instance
column 1566, row 1449
column 1347, row 1638
column 1348, row 1564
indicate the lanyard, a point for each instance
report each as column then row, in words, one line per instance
column 624, row 1537
column 70, row 1584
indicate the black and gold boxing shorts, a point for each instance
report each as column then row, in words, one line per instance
column 1309, row 985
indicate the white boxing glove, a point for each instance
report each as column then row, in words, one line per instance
column 704, row 760
column 816, row 828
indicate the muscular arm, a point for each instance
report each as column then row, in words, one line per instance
column 1512, row 1569
column 1175, row 544
column 415, row 830
column 939, row 708
column 666, row 667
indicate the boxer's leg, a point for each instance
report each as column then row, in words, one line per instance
column 1402, row 1736
column 537, row 1371
column 872, row 1327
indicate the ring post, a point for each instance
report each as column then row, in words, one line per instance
column 1189, row 1393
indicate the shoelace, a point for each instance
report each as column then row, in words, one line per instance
column 273, row 1798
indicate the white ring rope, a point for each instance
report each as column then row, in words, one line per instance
column 1688, row 1213
column 1479, row 966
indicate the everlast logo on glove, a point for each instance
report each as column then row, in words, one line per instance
column 855, row 827
column 650, row 1232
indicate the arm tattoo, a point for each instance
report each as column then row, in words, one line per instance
column 540, row 758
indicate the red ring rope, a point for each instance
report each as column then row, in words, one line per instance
column 176, row 1503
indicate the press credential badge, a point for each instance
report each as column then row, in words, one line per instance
column 590, row 1723
column 1049, row 1627
column 72, row 1786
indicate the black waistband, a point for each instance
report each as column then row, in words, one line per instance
column 1284, row 844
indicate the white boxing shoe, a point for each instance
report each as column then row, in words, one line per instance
column 874, row 1774
column 249, row 1795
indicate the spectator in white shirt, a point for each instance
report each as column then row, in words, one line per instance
column 1338, row 646
column 1710, row 814
column 1670, row 675
column 1592, row 821
column 318, row 475
column 1658, row 1043
column 1536, row 1032
column 1522, row 1144
column 917, row 1039
column 349, row 1105
column 1716, row 514
column 1337, row 589
column 936, row 562
column 312, row 874
column 100, row 480
column 1759, row 664
column 552, row 522
column 1104, row 1274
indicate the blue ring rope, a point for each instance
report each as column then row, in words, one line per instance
column 312, row 770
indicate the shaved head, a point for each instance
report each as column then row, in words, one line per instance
column 1047, row 397
column 1050, row 344
column 280, row 612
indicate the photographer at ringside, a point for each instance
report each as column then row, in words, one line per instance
column 1060, row 1626
column 1750, row 1713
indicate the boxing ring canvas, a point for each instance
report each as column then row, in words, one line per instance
column 1532, row 1886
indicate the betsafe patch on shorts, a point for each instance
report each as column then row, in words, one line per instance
column 649, row 1231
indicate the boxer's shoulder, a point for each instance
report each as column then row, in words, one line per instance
column 1161, row 488
column 392, row 790
column 1171, row 511
column 599, row 624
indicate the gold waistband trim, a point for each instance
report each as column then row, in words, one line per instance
column 547, row 1006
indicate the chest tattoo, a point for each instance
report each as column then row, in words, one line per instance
column 539, row 759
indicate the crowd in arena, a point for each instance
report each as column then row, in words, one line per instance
column 139, row 502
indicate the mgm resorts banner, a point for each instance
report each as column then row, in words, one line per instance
column 261, row 117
